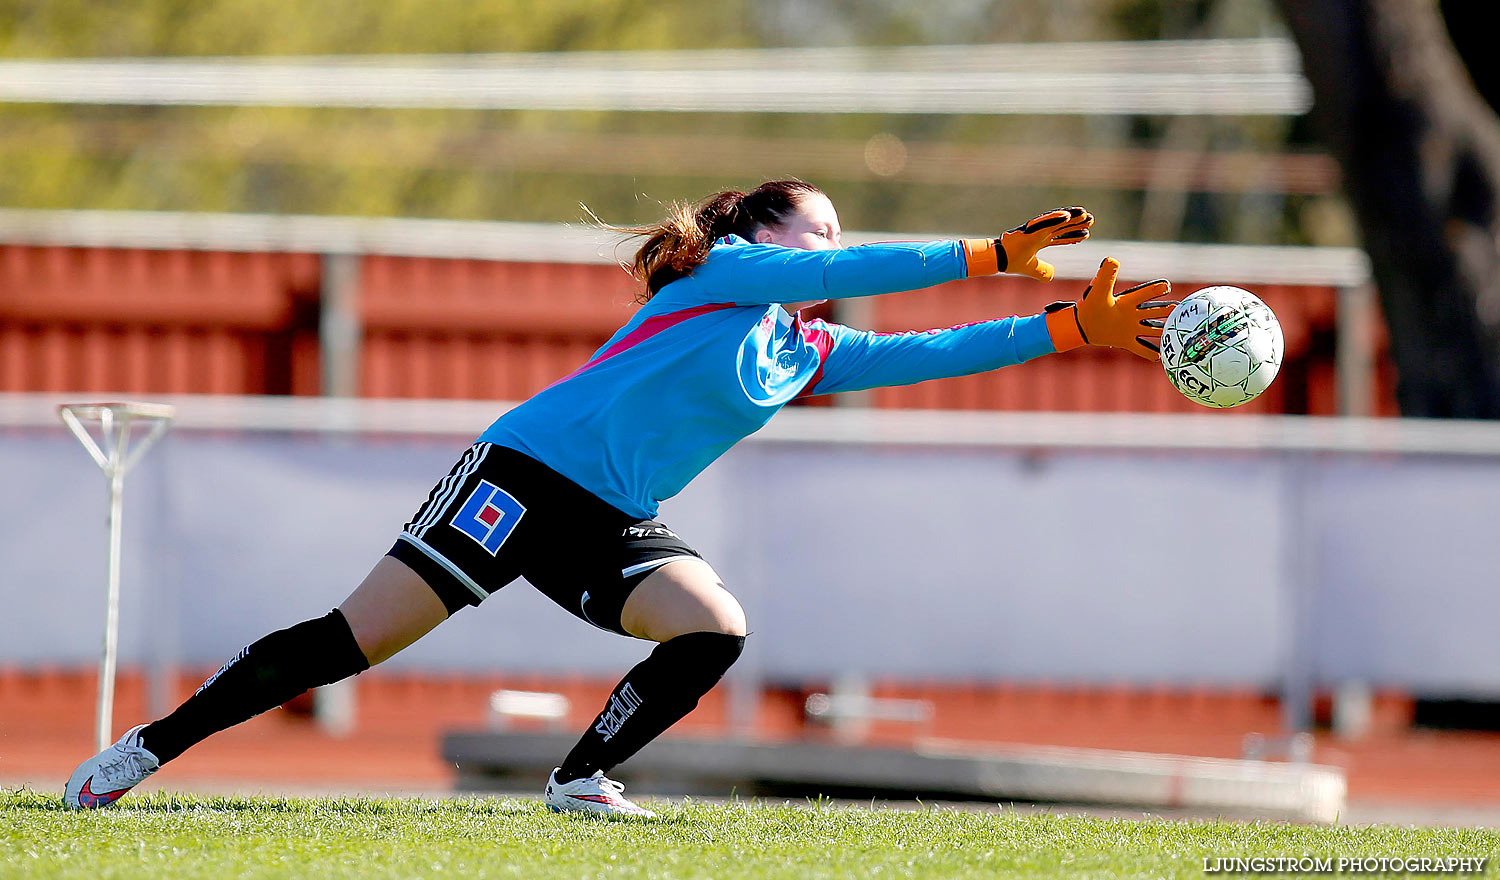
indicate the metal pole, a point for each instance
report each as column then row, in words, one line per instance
column 1299, row 588
column 855, row 312
column 1354, row 355
column 105, row 721
column 113, row 455
column 339, row 327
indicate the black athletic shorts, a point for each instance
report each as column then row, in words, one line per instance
column 500, row 514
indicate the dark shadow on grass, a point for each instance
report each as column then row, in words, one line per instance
column 165, row 802
column 34, row 801
column 602, row 821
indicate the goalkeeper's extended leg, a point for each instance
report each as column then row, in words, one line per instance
column 701, row 631
column 390, row 609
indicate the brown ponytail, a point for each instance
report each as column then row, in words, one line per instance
column 679, row 243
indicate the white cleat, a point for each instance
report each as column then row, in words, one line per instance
column 597, row 795
column 104, row 778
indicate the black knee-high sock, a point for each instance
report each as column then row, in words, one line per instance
column 263, row 676
column 652, row 697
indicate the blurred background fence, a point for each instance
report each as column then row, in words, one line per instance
column 226, row 304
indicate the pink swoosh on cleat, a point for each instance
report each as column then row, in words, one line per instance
column 87, row 798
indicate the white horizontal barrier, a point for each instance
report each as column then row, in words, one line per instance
column 1230, row 77
column 1024, row 430
column 1258, row 789
column 577, row 243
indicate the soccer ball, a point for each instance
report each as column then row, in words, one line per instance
column 1221, row 346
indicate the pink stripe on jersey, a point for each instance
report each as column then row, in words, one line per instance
column 820, row 339
column 936, row 330
column 649, row 328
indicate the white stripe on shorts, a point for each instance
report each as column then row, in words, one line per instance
column 450, row 487
column 442, row 560
column 433, row 506
column 655, row 563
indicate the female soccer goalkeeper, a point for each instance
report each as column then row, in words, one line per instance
column 562, row 490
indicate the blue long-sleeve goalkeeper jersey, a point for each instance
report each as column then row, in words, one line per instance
column 713, row 356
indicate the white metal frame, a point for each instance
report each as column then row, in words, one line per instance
column 1170, row 77
column 1209, row 431
column 580, row 243
column 113, row 453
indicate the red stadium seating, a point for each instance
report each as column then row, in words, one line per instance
column 94, row 319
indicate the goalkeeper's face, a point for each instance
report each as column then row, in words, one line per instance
column 813, row 226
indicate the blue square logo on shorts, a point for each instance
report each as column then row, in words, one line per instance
column 489, row 516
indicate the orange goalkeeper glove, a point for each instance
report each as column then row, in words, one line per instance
column 1131, row 320
column 1016, row 251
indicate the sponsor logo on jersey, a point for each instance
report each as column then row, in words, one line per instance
column 488, row 516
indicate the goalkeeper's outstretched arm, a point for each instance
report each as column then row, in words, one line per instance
column 860, row 359
column 745, row 273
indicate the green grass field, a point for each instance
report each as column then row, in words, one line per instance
column 182, row 836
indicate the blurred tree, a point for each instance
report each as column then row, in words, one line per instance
column 52, row 28
column 958, row 175
column 1420, row 152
